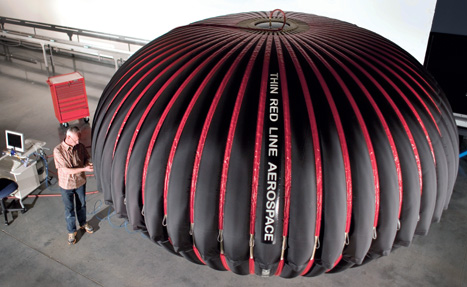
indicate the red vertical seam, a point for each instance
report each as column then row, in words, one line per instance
column 140, row 58
column 370, row 39
column 386, row 95
column 168, row 107
column 361, row 122
column 187, row 113
column 404, row 123
column 288, row 152
column 224, row 262
column 190, row 107
column 122, row 101
column 198, row 255
column 251, row 266
column 386, row 51
column 225, row 167
column 343, row 143
column 412, row 108
column 403, row 63
column 148, row 86
column 364, row 36
column 308, row 267
column 335, row 263
column 258, row 142
column 428, row 138
column 380, row 117
column 365, row 130
column 169, row 52
column 316, row 144
column 208, row 121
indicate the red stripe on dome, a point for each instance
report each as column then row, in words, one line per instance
column 387, row 51
column 148, row 54
column 398, row 113
column 316, row 144
column 411, row 106
column 212, row 109
column 191, row 105
column 139, row 59
column 198, row 255
column 169, row 106
column 259, row 140
column 342, row 140
column 148, row 86
column 288, row 144
column 224, row 262
column 366, row 133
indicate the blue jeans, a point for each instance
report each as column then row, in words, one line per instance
column 69, row 196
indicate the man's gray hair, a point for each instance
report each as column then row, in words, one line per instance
column 72, row 130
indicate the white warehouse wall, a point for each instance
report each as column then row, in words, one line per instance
column 405, row 22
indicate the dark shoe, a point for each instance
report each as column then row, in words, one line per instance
column 89, row 229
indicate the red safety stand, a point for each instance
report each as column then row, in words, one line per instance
column 69, row 97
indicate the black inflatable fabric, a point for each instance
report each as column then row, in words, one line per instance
column 275, row 143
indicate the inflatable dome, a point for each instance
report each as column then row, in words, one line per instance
column 275, row 143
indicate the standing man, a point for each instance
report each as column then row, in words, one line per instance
column 72, row 160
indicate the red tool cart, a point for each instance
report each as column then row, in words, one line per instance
column 69, row 97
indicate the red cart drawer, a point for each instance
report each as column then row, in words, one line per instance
column 69, row 97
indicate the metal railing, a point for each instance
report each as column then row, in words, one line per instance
column 71, row 46
column 72, row 31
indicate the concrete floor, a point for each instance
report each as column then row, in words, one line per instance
column 34, row 250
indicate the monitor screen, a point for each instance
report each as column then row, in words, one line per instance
column 14, row 140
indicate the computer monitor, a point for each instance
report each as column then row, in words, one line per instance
column 14, row 140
